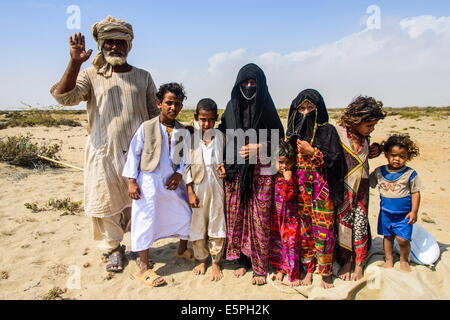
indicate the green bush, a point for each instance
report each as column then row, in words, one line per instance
column 21, row 151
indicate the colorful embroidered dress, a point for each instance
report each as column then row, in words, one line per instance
column 285, row 230
column 354, row 231
column 248, row 227
column 316, row 210
column 319, row 179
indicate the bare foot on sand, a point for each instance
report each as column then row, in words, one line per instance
column 358, row 274
column 294, row 283
column 327, row 282
column 388, row 264
column 239, row 272
column 259, row 280
column 187, row 255
column 344, row 272
column 307, row 280
column 216, row 272
column 404, row 266
column 279, row 276
column 200, row 269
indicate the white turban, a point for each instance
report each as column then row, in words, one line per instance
column 114, row 29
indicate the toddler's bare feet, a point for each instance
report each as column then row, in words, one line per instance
column 216, row 272
column 295, row 283
column 344, row 272
column 404, row 266
column 307, row 280
column 279, row 276
column 327, row 282
column 358, row 274
column 200, row 269
column 239, row 272
column 388, row 264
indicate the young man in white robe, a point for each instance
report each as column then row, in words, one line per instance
column 203, row 175
column 119, row 98
column 154, row 167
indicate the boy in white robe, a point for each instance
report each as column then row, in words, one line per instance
column 203, row 175
column 154, row 167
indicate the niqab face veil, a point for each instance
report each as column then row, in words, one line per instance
column 315, row 129
column 257, row 113
column 302, row 126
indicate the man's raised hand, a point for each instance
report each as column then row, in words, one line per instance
column 77, row 48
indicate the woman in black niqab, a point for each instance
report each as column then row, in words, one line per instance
column 315, row 129
column 319, row 172
column 248, row 188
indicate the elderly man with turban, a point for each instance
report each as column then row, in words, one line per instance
column 119, row 98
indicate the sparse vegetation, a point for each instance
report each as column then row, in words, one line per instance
column 437, row 113
column 35, row 118
column 33, row 206
column 54, row 294
column 69, row 207
column 21, row 151
column 4, row 275
column 54, row 115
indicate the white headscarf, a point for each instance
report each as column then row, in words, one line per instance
column 114, row 29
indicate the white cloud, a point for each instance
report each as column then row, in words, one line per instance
column 418, row 25
column 405, row 63
column 219, row 60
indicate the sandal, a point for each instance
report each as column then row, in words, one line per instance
column 115, row 260
column 150, row 278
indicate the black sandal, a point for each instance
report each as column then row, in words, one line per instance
column 115, row 260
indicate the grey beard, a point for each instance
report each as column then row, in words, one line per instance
column 114, row 61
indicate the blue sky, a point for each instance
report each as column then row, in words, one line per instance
column 204, row 43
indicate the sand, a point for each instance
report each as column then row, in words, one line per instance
column 40, row 251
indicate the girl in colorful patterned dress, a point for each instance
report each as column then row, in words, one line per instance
column 285, row 227
column 354, row 239
column 319, row 174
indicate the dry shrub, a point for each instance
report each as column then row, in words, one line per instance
column 54, row 294
column 21, row 151
column 34, row 118
column 69, row 207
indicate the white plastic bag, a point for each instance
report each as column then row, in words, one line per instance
column 424, row 248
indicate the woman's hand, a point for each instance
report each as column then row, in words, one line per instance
column 133, row 189
column 304, row 147
column 174, row 181
column 249, row 150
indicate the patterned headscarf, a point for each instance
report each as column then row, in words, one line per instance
column 110, row 28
